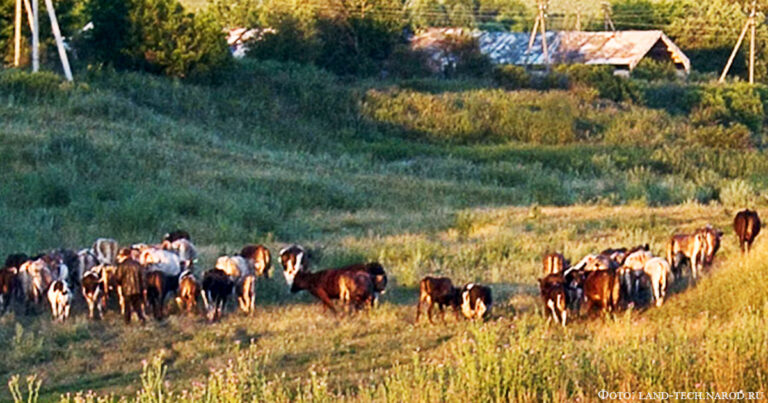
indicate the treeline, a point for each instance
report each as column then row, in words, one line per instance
column 357, row 37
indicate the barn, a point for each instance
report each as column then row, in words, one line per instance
column 621, row 49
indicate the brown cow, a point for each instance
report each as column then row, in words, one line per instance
column 712, row 242
column 554, row 296
column 189, row 291
column 356, row 290
column 601, row 289
column 692, row 247
column 440, row 291
column 554, row 263
column 747, row 227
column 261, row 258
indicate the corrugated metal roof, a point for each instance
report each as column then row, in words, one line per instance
column 619, row 48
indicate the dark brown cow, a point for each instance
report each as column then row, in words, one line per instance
column 131, row 283
column 476, row 301
column 602, row 289
column 747, row 227
column 440, row 291
column 217, row 287
column 323, row 284
column 9, row 286
column 554, row 263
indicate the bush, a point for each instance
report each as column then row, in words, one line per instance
column 655, row 70
column 511, row 77
column 737, row 193
column 406, row 63
column 602, row 79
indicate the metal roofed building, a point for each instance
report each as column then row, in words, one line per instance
column 621, row 49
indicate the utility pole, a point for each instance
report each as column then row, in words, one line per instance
column 607, row 21
column 540, row 23
column 33, row 16
column 578, row 19
column 750, row 24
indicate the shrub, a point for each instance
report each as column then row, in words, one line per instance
column 603, row 80
column 406, row 63
column 511, row 77
column 737, row 193
column 655, row 70
column 717, row 136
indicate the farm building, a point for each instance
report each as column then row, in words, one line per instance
column 621, row 49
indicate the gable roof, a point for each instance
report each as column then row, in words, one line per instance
column 618, row 48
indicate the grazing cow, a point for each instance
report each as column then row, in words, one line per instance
column 176, row 235
column 375, row 271
column 105, row 250
column 657, row 269
column 440, row 291
column 476, row 301
column 356, row 289
column 93, row 292
column 217, row 286
column 246, row 293
column 184, row 249
column 131, row 283
column 692, row 247
column 574, row 289
column 9, row 284
column 260, row 257
column 554, row 263
column 601, row 289
column 60, row 298
column 747, row 227
column 161, row 260
column 189, row 290
column 553, row 294
column 712, row 242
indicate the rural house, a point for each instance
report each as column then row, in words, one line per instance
column 621, row 49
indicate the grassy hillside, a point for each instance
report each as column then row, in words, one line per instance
column 278, row 153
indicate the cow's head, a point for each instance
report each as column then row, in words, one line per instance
column 293, row 259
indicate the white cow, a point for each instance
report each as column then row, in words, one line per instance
column 161, row 260
column 184, row 249
column 105, row 250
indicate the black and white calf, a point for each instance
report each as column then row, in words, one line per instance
column 476, row 301
column 60, row 298
column 93, row 292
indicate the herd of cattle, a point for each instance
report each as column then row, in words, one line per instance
column 142, row 276
column 617, row 278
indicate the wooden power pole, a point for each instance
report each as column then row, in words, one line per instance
column 33, row 15
column 607, row 21
column 750, row 24
column 540, row 23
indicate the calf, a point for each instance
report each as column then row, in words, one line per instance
column 747, row 227
column 60, row 299
column 554, row 263
column 217, row 286
column 356, row 289
column 601, row 289
column 189, row 290
column 553, row 294
column 476, row 301
column 440, row 291
column 93, row 292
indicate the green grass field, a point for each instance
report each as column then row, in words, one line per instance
column 278, row 154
